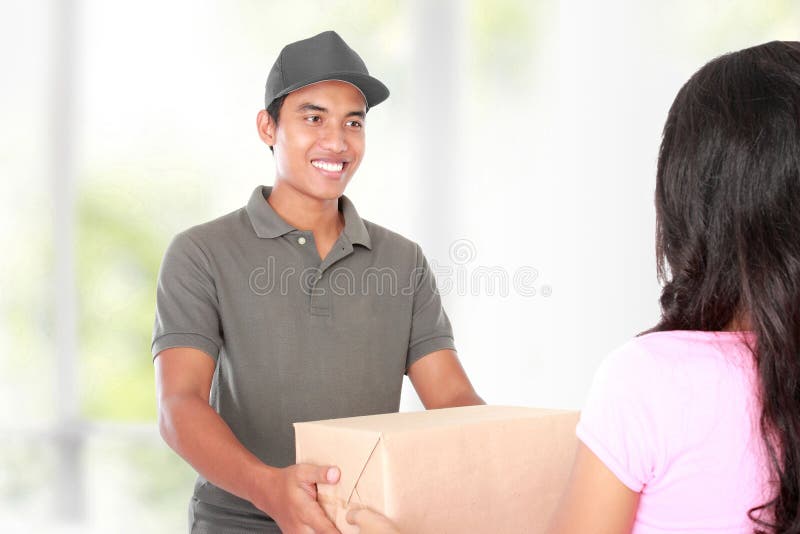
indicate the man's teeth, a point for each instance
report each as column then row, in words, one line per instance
column 325, row 166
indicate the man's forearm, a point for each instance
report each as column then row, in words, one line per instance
column 467, row 398
column 201, row 437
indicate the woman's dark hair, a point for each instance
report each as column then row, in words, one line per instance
column 728, row 236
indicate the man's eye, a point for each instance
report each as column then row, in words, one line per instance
column 355, row 124
column 313, row 118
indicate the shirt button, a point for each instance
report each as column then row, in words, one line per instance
column 301, row 240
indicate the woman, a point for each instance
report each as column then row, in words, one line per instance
column 694, row 426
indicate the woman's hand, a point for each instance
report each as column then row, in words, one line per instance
column 370, row 522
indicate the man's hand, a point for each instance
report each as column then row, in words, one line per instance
column 370, row 522
column 291, row 499
column 195, row 431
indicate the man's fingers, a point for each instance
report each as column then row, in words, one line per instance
column 318, row 521
column 331, row 475
column 319, row 474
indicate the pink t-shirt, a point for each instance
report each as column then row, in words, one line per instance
column 674, row 415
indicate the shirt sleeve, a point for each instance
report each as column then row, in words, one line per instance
column 618, row 422
column 430, row 327
column 187, row 308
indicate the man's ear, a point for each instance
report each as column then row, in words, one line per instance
column 266, row 127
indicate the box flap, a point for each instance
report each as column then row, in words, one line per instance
column 352, row 486
column 349, row 449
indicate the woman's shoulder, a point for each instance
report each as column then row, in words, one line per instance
column 672, row 353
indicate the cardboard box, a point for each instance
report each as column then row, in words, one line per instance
column 492, row 469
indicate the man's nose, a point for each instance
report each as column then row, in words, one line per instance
column 333, row 139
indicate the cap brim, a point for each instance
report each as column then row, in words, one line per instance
column 373, row 89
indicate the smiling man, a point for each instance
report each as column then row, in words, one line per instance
column 293, row 308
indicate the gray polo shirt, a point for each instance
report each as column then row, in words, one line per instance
column 295, row 337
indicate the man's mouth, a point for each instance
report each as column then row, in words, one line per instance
column 330, row 166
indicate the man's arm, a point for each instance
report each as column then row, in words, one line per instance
column 200, row 436
column 441, row 382
column 595, row 501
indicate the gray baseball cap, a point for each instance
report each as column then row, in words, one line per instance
column 323, row 57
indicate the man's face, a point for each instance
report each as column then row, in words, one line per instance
column 319, row 140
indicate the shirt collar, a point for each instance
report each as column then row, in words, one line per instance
column 268, row 224
column 265, row 221
column 354, row 227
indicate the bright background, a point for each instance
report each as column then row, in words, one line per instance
column 521, row 133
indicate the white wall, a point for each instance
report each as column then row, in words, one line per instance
column 524, row 134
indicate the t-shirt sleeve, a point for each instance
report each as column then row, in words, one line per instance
column 187, row 308
column 430, row 327
column 618, row 422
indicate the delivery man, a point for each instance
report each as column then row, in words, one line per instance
column 293, row 308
